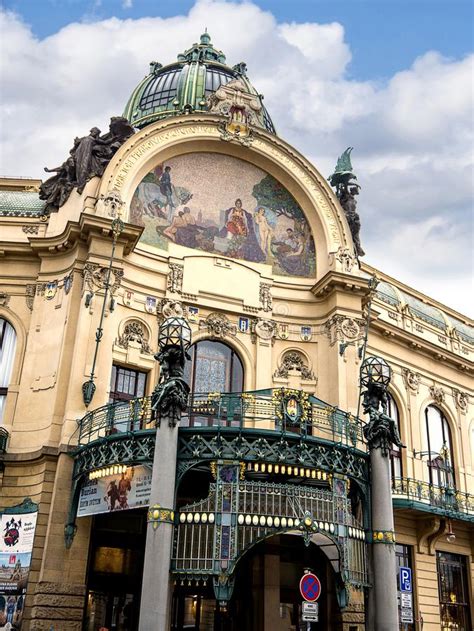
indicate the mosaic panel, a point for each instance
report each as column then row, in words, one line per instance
column 225, row 206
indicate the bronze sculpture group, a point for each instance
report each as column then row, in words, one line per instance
column 88, row 158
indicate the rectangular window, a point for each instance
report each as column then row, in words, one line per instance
column 453, row 592
column 404, row 559
column 126, row 384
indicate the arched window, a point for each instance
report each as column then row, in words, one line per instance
column 214, row 367
column 440, row 455
column 395, row 453
column 7, row 355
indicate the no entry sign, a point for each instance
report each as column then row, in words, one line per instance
column 310, row 587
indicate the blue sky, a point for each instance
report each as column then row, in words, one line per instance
column 385, row 35
column 392, row 78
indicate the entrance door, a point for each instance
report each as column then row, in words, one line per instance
column 115, row 571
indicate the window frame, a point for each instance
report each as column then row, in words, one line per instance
column 445, row 476
column 115, row 395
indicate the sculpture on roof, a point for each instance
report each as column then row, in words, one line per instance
column 88, row 158
column 346, row 190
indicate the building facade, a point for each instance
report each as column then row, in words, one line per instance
column 205, row 212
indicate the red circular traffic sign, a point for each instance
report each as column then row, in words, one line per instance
column 310, row 587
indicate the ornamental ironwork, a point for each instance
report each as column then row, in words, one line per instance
column 251, row 511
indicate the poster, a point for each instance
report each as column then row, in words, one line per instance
column 16, row 547
column 118, row 492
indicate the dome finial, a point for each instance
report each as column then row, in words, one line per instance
column 205, row 38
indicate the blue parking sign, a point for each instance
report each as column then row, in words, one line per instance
column 405, row 579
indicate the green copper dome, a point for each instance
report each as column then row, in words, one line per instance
column 185, row 85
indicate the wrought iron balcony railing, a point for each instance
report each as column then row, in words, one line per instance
column 262, row 410
column 448, row 501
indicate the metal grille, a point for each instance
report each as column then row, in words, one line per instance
column 161, row 90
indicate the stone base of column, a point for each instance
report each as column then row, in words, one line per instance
column 56, row 605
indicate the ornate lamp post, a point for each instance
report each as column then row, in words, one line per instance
column 381, row 432
column 169, row 400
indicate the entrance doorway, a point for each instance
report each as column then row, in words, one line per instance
column 266, row 594
column 115, row 571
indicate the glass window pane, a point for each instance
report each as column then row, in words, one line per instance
column 141, row 384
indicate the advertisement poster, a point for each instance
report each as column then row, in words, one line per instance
column 16, row 547
column 118, row 492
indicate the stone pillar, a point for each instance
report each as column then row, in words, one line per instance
column 155, row 606
column 384, row 561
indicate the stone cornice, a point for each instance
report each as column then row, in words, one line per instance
column 418, row 344
column 338, row 281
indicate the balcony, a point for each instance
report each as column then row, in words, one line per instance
column 426, row 497
column 274, row 426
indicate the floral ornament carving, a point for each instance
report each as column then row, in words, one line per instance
column 340, row 328
column 175, row 278
column 461, row 400
column 263, row 329
column 412, row 380
column 30, row 229
column 241, row 109
column 134, row 331
column 95, row 277
column 266, row 297
column 345, row 258
column 4, row 299
column 438, row 394
column 30, row 296
column 218, row 325
column 292, row 360
column 113, row 203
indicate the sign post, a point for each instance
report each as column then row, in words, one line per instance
column 406, row 596
column 310, row 590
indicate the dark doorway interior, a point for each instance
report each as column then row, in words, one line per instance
column 115, row 571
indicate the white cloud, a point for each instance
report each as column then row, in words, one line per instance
column 412, row 135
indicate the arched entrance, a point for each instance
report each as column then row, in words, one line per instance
column 266, row 594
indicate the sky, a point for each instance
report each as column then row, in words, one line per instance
column 391, row 78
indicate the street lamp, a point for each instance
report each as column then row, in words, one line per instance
column 170, row 396
column 375, row 375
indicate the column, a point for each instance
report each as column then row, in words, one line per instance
column 384, row 560
column 156, row 588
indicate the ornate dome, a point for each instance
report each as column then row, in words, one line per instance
column 185, row 85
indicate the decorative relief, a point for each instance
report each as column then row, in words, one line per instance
column 134, row 331
column 4, row 299
column 263, row 329
column 30, row 229
column 95, row 277
column 30, row 296
column 170, row 308
column 175, row 278
column 461, row 400
column 266, row 297
column 438, row 394
column 218, row 325
column 340, row 328
column 293, row 360
column 412, row 380
column 113, row 203
column 345, row 258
